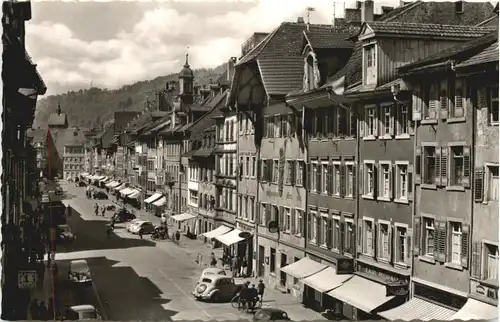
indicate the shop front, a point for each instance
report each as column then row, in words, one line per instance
column 152, row 198
column 246, row 248
column 237, row 243
column 159, row 205
column 213, row 234
column 186, row 222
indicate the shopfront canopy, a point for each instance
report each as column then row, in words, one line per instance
column 326, row 280
column 126, row 191
column 134, row 195
column 221, row 230
column 112, row 184
column 119, row 187
column 303, row 268
column 160, row 202
column 153, row 198
column 418, row 309
column 183, row 217
column 230, row 238
column 361, row 293
column 98, row 178
column 476, row 310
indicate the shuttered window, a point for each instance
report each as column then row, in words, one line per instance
column 459, row 100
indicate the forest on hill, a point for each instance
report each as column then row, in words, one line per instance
column 92, row 107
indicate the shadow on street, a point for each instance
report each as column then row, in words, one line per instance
column 91, row 235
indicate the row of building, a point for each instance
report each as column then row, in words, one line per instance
column 355, row 165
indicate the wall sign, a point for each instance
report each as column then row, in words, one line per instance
column 440, row 296
column 397, row 289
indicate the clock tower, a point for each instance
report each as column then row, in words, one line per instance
column 186, row 78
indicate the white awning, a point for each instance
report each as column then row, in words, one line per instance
column 98, row 178
column 183, row 217
column 418, row 309
column 119, row 187
column 361, row 293
column 230, row 238
column 221, row 230
column 326, row 280
column 476, row 310
column 126, row 191
column 303, row 268
column 153, row 197
column 112, row 184
column 134, row 194
column 83, row 174
column 160, row 202
column 104, row 179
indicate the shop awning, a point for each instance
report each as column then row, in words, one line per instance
column 153, row 197
column 326, row 280
column 134, row 195
column 183, row 217
column 476, row 310
column 361, row 293
column 98, row 178
column 126, row 191
column 104, row 179
column 119, row 187
column 303, row 268
column 160, row 202
column 112, row 184
column 230, row 238
column 83, row 174
column 221, row 230
column 418, row 309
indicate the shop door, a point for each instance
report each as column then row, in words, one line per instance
column 283, row 263
column 261, row 261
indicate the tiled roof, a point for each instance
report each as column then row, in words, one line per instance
column 321, row 37
column 475, row 45
column 67, row 137
column 393, row 14
column 490, row 22
column 354, row 65
column 428, row 30
column 121, row 118
column 488, row 55
column 58, row 119
column 281, row 75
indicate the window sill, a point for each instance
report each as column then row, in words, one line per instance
column 336, row 196
column 428, row 186
column 493, row 124
column 404, row 201
column 368, row 197
column 454, row 266
column 385, row 137
column 403, row 136
column 385, row 199
column 429, row 122
column 298, row 235
column 383, row 260
column 313, row 242
column 369, row 138
column 401, row 265
column 427, row 259
column 455, row 188
column 350, row 197
column 456, row 119
column 324, row 246
column 299, row 185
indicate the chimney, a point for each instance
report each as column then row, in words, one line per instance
column 230, row 68
column 367, row 11
column 300, row 20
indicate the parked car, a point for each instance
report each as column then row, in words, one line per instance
column 145, row 227
column 82, row 313
column 100, row 195
column 79, row 271
column 82, row 184
column 216, row 288
column 110, row 207
column 270, row 314
column 132, row 223
column 123, row 215
column 210, row 271
column 64, row 234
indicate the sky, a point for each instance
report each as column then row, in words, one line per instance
column 109, row 44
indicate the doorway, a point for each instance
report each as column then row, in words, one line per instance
column 283, row 263
column 260, row 264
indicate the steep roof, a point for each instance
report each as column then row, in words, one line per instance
column 121, row 119
column 427, row 29
column 326, row 37
column 488, row 55
column 67, row 137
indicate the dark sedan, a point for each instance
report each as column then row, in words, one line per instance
column 123, row 215
column 270, row 314
column 100, row 195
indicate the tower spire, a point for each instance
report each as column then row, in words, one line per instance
column 187, row 57
column 58, row 108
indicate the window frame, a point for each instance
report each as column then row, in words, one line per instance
column 366, row 194
column 299, row 222
column 276, row 168
column 487, row 181
column 386, row 109
column 336, row 247
column 381, row 180
column 452, row 180
column 349, row 180
column 287, row 226
column 397, row 195
column 407, row 247
column 367, row 133
column 336, row 178
column 312, row 239
column 452, row 224
column 349, row 237
column 398, row 118
column 425, row 171
column 365, row 249
column 484, row 261
column 299, row 173
column 425, row 240
column 324, row 167
column 380, row 241
column 313, row 179
column 324, row 229
column 491, row 99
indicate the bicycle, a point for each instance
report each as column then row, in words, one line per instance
column 243, row 305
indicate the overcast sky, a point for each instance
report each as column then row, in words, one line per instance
column 109, row 44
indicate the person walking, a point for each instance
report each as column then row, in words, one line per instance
column 96, row 209
column 244, row 266
column 234, row 266
column 213, row 261
column 103, row 210
column 260, row 289
column 177, row 236
column 140, row 233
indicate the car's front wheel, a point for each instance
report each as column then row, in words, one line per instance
column 215, row 297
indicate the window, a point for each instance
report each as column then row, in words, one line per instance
column 313, row 234
column 253, row 166
column 384, row 238
column 368, row 240
column 299, row 221
column 349, row 181
column 324, row 230
column 430, row 97
column 493, row 104
column 247, row 166
column 370, row 64
column 325, row 177
column 370, row 121
column 403, row 119
column 277, row 126
column 245, row 207
column 386, row 112
column 272, row 260
column 314, row 177
column 275, row 171
column 385, row 180
column 349, row 238
column 289, row 172
column 402, row 245
column 490, row 271
column 459, row 104
column 193, row 196
column 402, row 181
column 288, row 220
column 429, row 175
column 369, row 180
column 263, row 214
column 492, row 183
column 336, row 234
column 252, row 209
column 300, row 173
column 429, row 236
column 456, row 243
column 457, row 166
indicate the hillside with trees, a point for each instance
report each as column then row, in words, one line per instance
column 92, row 107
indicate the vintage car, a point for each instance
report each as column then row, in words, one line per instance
column 142, row 227
column 270, row 314
column 82, row 313
column 216, row 288
column 64, row 234
column 210, row 271
column 100, row 195
column 79, row 271
column 123, row 215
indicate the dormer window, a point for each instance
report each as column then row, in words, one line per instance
column 310, row 73
column 459, row 7
column 370, row 64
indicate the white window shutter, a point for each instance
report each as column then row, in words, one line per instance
column 443, row 99
column 459, row 99
column 375, row 120
column 417, row 103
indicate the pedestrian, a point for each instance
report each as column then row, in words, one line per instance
column 103, row 210
column 244, row 266
column 177, row 236
column 213, row 261
column 234, row 266
column 140, row 233
column 96, row 209
column 163, row 220
column 42, row 311
column 34, row 310
column 55, row 269
column 238, row 266
column 260, row 289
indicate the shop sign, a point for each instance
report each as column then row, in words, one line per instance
column 245, row 235
column 345, row 265
column 440, row 296
column 397, row 288
column 485, row 291
column 383, row 275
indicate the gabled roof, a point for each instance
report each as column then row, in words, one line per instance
column 426, row 29
column 488, row 55
column 280, row 75
column 322, row 37
column 58, row 119
column 468, row 48
column 67, row 137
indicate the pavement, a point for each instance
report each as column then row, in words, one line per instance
column 138, row 279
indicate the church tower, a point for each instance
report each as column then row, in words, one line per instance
column 186, row 79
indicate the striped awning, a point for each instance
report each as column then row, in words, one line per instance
column 418, row 309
